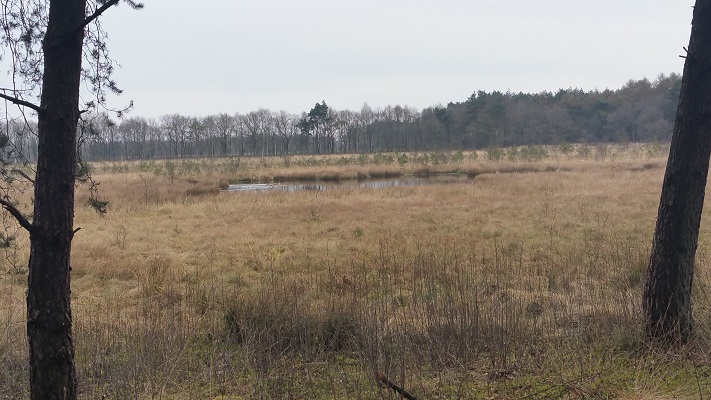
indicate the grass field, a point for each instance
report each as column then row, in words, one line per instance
column 523, row 281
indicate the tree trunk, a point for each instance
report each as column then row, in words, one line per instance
column 49, row 318
column 667, row 292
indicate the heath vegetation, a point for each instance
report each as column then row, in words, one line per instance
column 523, row 280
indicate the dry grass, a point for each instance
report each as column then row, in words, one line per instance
column 523, row 281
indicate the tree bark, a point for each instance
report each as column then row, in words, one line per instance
column 667, row 293
column 49, row 318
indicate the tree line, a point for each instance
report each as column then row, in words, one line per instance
column 639, row 111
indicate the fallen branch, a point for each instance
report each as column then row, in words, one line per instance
column 382, row 379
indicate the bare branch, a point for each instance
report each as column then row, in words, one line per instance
column 97, row 13
column 21, row 102
column 105, row 7
column 24, row 175
column 17, row 214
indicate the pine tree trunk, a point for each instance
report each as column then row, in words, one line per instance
column 667, row 292
column 49, row 318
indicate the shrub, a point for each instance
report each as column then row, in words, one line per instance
column 494, row 153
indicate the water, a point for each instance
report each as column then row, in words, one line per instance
column 367, row 184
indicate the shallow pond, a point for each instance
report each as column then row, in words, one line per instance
column 363, row 184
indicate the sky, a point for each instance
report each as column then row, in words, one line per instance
column 213, row 56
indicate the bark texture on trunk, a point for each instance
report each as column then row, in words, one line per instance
column 667, row 291
column 49, row 318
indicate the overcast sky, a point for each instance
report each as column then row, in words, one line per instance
column 205, row 57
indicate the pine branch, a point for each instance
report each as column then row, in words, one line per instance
column 18, row 215
column 97, row 13
column 104, row 7
column 21, row 102
column 24, row 175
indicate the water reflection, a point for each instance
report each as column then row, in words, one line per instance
column 368, row 184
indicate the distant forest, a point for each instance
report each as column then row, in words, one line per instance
column 640, row 111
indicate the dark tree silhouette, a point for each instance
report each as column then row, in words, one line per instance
column 316, row 123
column 49, row 39
column 667, row 292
